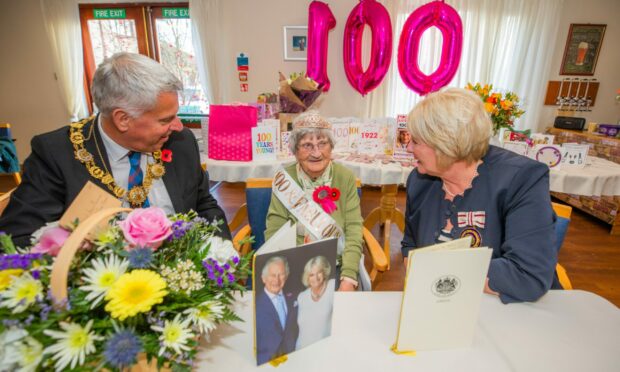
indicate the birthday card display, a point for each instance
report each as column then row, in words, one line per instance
column 574, row 155
column 264, row 144
column 441, row 297
column 285, row 149
column 293, row 293
column 517, row 147
column 548, row 154
column 402, row 139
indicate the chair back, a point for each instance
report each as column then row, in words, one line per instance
column 4, row 200
column 563, row 213
column 9, row 163
column 258, row 198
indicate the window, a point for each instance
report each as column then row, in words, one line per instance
column 162, row 32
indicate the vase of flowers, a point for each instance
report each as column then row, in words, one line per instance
column 503, row 108
column 143, row 291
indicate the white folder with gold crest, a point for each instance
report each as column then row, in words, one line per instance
column 441, row 298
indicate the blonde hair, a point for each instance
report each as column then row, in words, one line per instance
column 454, row 123
column 319, row 261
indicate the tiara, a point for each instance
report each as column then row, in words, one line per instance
column 311, row 120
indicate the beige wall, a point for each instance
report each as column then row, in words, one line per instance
column 29, row 94
column 256, row 29
column 607, row 71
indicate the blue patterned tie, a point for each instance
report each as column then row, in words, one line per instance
column 135, row 173
column 281, row 308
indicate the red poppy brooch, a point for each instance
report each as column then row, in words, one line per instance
column 166, row 155
column 326, row 196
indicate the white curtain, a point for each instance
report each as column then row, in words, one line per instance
column 207, row 29
column 507, row 43
column 62, row 23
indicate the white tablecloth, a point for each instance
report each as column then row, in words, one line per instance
column 563, row 331
column 375, row 173
column 600, row 177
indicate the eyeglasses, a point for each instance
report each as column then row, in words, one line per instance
column 309, row 147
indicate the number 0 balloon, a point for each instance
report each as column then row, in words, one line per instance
column 376, row 16
column 320, row 21
column 447, row 20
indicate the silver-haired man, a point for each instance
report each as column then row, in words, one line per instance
column 135, row 148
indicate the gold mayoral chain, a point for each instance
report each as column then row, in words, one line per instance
column 138, row 194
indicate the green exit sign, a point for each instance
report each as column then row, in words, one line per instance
column 111, row 13
column 175, row 12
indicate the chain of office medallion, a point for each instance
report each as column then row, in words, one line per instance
column 137, row 194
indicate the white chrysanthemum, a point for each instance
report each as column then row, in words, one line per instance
column 205, row 315
column 219, row 249
column 174, row 335
column 73, row 344
column 29, row 354
column 102, row 276
column 23, row 291
column 9, row 339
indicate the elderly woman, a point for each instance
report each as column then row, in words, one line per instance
column 331, row 203
column 315, row 304
column 464, row 187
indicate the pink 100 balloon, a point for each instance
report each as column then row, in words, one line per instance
column 320, row 21
column 375, row 15
column 447, row 20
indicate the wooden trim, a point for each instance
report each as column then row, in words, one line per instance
column 258, row 183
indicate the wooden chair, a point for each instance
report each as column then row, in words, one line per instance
column 5, row 132
column 254, row 211
column 4, row 200
column 563, row 213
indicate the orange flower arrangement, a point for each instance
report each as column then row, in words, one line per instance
column 503, row 108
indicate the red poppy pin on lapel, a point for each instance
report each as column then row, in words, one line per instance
column 166, row 155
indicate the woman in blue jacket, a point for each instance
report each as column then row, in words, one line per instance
column 462, row 186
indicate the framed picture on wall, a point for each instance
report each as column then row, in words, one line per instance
column 295, row 43
column 582, row 49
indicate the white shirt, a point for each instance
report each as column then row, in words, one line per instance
column 120, row 167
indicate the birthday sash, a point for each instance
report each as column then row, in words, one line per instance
column 318, row 224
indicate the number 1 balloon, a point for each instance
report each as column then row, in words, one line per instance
column 320, row 21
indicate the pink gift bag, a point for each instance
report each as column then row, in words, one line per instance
column 230, row 132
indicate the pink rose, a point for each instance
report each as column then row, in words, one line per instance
column 51, row 240
column 146, row 227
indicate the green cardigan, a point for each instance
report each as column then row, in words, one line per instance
column 347, row 215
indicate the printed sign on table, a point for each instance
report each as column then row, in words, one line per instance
column 574, row 155
column 548, row 154
column 264, row 143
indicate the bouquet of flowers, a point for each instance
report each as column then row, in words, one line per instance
column 148, row 285
column 503, row 108
column 298, row 93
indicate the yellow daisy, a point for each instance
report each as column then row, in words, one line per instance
column 135, row 292
column 6, row 277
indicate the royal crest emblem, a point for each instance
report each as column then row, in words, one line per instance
column 446, row 286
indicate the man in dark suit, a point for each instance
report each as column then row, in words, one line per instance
column 276, row 313
column 136, row 149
